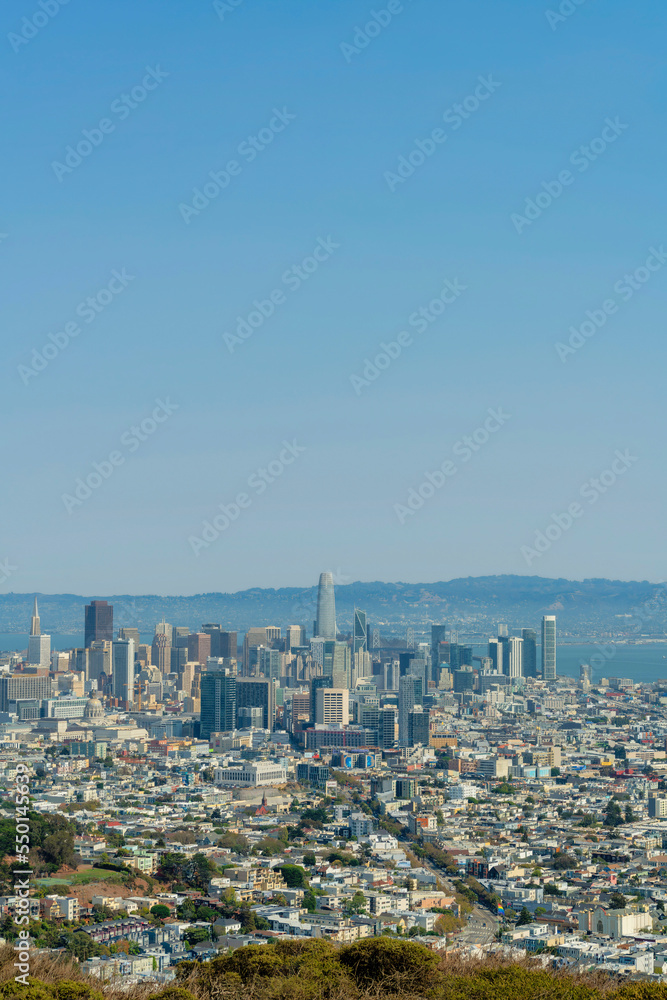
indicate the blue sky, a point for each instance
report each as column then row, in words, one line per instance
column 339, row 121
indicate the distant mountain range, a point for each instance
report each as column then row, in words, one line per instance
column 473, row 605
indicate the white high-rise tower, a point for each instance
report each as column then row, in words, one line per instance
column 35, row 628
column 549, row 648
column 326, row 608
column 39, row 646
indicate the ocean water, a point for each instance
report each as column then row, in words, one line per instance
column 641, row 663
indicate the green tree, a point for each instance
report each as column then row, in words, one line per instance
column 613, row 816
column 160, row 911
column 294, row 875
column 309, row 901
column 525, row 917
column 357, row 904
column 195, row 935
column 617, row 901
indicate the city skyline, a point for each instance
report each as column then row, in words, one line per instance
column 333, row 607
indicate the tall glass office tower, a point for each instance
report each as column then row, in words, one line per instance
column 218, row 702
column 529, row 637
column 326, row 608
column 360, row 631
column 549, row 648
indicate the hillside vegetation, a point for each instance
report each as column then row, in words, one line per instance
column 318, row 970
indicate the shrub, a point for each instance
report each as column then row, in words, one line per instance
column 381, row 962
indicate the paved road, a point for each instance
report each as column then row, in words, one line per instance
column 481, row 929
column 482, row 924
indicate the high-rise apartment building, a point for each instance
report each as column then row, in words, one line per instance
column 271, row 663
column 218, row 702
column 515, row 657
column 22, row 687
column 253, row 638
column 222, row 643
column 326, row 608
column 122, row 671
column 228, row 645
column 408, row 697
column 463, row 679
column 130, row 633
column 529, row 637
column 99, row 662
column 81, row 661
column 98, row 622
column 199, row 647
column 213, row 630
column 418, row 727
column 504, row 645
column 438, row 636
column 549, row 648
column 164, row 628
column 337, row 663
column 161, row 653
column 387, row 728
column 39, row 650
column 657, row 806
column 258, row 692
column 295, row 635
column 325, row 681
column 332, row 706
column 459, row 655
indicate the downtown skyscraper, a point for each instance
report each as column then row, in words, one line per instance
column 360, row 631
column 39, row 646
column 549, row 648
column 98, row 622
column 325, row 625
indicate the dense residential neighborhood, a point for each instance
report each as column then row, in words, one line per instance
column 326, row 790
